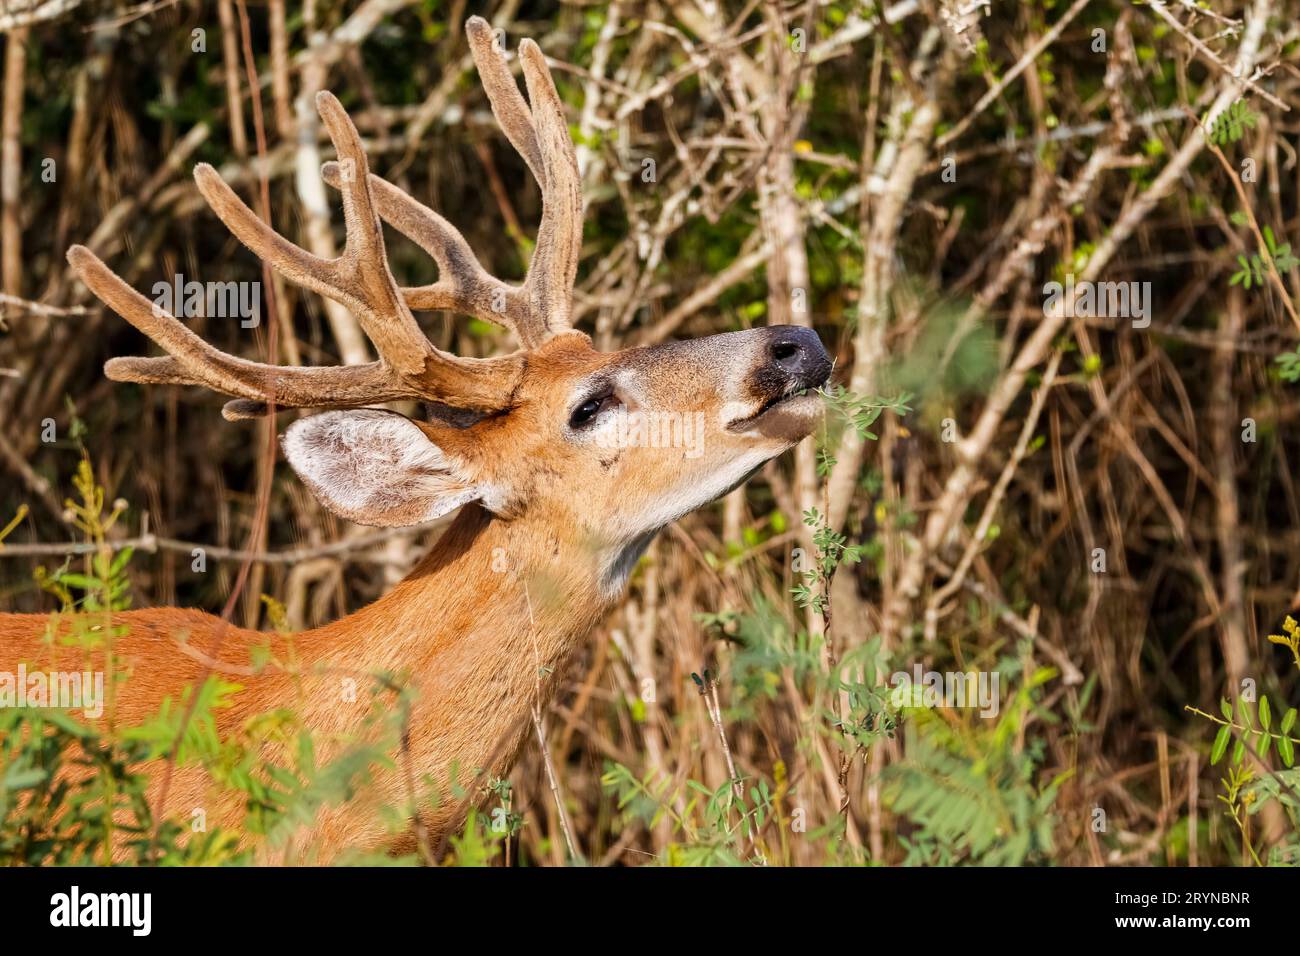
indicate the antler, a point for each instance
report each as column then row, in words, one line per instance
column 542, row 306
column 409, row 365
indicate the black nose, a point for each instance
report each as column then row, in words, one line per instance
column 798, row 356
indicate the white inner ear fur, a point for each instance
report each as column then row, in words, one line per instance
column 376, row 468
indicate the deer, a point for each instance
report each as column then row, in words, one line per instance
column 554, row 507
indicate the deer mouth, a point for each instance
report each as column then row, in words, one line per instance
column 801, row 402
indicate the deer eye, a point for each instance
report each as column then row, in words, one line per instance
column 588, row 410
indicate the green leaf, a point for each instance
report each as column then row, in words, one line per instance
column 20, row 779
column 61, row 720
column 120, row 561
column 82, row 581
column 1288, row 721
column 1244, row 713
column 1220, row 744
column 1265, row 714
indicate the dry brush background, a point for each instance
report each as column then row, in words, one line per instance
column 904, row 177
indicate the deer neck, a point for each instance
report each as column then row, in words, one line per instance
column 491, row 593
column 482, row 626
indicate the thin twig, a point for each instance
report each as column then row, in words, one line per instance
column 36, row 308
column 1254, row 225
column 540, row 730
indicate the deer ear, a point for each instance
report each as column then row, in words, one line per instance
column 377, row 468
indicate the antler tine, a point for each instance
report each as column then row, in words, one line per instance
column 463, row 284
column 192, row 361
column 397, row 336
column 541, row 136
column 508, row 106
column 554, row 268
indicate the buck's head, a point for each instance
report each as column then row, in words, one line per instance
column 614, row 444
